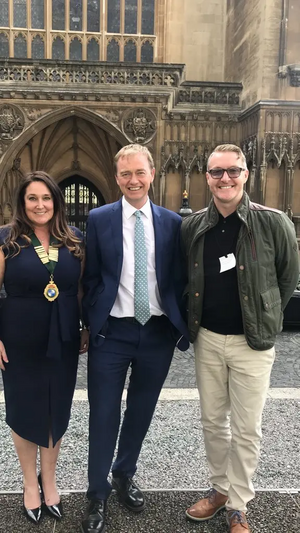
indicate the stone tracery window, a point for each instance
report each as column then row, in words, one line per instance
column 130, row 51
column 93, row 15
column 20, row 46
column 37, row 47
column 76, row 15
column 4, row 13
column 58, row 14
column 113, row 16
column 131, row 16
column 93, row 50
column 148, row 17
column 147, row 52
column 113, row 50
column 20, row 13
column 58, row 48
column 76, row 49
column 37, row 14
column 75, row 29
column 4, row 48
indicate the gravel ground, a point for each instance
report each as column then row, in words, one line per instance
column 165, row 513
column 173, row 454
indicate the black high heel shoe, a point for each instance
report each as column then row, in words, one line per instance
column 56, row 510
column 34, row 515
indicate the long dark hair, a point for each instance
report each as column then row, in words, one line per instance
column 21, row 226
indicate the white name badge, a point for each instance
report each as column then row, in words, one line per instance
column 227, row 262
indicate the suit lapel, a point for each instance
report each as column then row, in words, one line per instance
column 117, row 233
column 159, row 241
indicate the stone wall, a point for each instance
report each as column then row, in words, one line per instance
column 244, row 47
column 258, row 34
column 195, row 36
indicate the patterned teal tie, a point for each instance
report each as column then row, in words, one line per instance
column 141, row 297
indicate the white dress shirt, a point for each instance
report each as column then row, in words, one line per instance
column 124, row 304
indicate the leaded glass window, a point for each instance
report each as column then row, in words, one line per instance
column 20, row 14
column 113, row 16
column 93, row 50
column 38, row 48
column 93, row 15
column 147, row 52
column 58, row 48
column 130, row 51
column 4, row 13
column 76, row 49
column 20, row 46
column 130, row 16
column 4, row 48
column 80, row 197
column 58, row 14
column 37, row 14
column 113, row 51
column 76, row 15
column 147, row 17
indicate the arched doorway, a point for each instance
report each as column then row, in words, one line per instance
column 80, row 196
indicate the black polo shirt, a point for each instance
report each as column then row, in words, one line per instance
column 221, row 305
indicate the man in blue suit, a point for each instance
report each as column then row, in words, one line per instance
column 133, row 280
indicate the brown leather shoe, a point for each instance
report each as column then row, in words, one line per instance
column 237, row 522
column 208, row 507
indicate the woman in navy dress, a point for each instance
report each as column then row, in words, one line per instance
column 41, row 261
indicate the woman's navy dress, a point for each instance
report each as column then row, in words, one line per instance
column 41, row 339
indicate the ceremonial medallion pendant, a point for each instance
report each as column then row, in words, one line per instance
column 51, row 291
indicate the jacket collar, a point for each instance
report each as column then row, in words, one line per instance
column 242, row 210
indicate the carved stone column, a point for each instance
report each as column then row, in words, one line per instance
column 289, row 191
column 263, row 174
column 162, row 187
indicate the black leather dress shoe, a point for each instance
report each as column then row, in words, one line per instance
column 34, row 515
column 94, row 521
column 129, row 494
column 56, row 510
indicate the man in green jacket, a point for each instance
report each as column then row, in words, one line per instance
column 243, row 268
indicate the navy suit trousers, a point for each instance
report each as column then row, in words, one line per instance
column 148, row 350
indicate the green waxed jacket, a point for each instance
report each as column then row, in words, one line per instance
column 267, row 266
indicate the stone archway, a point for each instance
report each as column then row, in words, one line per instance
column 64, row 143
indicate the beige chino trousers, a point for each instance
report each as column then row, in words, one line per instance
column 233, row 382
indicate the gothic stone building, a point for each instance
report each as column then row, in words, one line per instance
column 81, row 78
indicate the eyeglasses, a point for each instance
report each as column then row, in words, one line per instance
column 232, row 172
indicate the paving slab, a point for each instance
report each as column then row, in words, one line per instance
column 270, row 512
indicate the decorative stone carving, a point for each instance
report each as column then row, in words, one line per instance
column 250, row 149
column 111, row 116
column 76, row 165
column 279, row 147
column 294, row 71
column 33, row 113
column 11, row 122
column 93, row 74
column 139, row 125
column 210, row 95
column 16, row 163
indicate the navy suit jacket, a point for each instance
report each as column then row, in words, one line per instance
column 104, row 257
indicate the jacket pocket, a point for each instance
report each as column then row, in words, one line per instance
column 272, row 315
